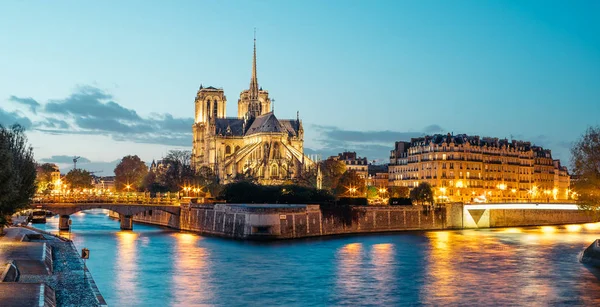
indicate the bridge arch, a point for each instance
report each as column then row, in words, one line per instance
column 125, row 211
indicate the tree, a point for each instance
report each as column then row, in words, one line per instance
column 17, row 172
column 398, row 192
column 178, row 171
column 207, row 179
column 585, row 158
column 44, row 177
column 332, row 171
column 307, row 178
column 350, row 185
column 79, row 179
column 130, row 172
column 423, row 194
column 372, row 192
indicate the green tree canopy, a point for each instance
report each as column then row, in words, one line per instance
column 130, row 171
column 423, row 194
column 585, row 157
column 17, row 172
column 350, row 185
column 79, row 179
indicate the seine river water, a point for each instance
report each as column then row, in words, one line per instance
column 153, row 266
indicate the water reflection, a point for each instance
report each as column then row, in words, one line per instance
column 526, row 266
column 127, row 270
column 349, row 279
column 383, row 273
column 191, row 277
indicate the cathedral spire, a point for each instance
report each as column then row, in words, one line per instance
column 254, row 80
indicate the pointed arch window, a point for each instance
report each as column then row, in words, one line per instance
column 274, row 172
column 215, row 109
column 207, row 112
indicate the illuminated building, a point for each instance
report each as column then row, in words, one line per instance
column 466, row 168
column 255, row 143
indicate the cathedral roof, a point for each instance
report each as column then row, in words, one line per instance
column 291, row 126
column 265, row 123
column 230, row 126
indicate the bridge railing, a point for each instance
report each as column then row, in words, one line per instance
column 527, row 201
column 120, row 198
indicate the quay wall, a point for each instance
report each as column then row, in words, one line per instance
column 524, row 217
column 245, row 221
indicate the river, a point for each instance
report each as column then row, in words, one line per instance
column 154, row 266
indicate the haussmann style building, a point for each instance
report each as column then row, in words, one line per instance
column 463, row 168
column 255, row 143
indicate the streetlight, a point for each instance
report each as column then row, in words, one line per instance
column 352, row 190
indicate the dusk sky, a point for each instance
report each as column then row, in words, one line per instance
column 106, row 79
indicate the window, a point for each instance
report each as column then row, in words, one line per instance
column 228, row 150
column 215, row 109
column 273, row 170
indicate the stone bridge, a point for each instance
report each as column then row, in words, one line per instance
column 126, row 211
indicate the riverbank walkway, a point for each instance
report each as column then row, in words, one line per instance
column 38, row 269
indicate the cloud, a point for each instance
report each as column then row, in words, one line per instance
column 30, row 102
column 64, row 159
column 50, row 122
column 90, row 110
column 88, row 101
column 11, row 118
column 432, row 129
column 375, row 145
column 338, row 134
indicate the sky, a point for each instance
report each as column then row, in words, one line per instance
column 106, row 79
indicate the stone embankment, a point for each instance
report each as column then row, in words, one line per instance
column 39, row 269
column 250, row 221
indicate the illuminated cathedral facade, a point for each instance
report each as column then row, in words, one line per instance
column 255, row 144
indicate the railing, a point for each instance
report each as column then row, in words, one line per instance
column 124, row 198
column 527, row 201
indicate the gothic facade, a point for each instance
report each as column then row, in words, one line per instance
column 255, row 143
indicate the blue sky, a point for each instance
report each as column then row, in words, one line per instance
column 109, row 78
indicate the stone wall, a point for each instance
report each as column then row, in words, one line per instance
column 524, row 217
column 291, row 221
column 298, row 221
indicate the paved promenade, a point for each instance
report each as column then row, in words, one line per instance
column 48, row 271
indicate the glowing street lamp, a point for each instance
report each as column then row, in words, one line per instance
column 352, row 190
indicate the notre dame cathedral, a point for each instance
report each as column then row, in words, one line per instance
column 254, row 144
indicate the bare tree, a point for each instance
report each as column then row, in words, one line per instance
column 585, row 157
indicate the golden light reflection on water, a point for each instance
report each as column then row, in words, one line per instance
column 592, row 226
column 382, row 260
column 192, row 275
column 349, row 280
column 548, row 229
column 514, row 265
column 127, row 270
column 511, row 230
